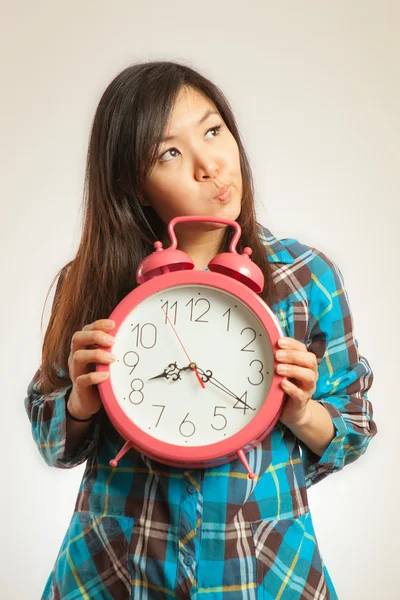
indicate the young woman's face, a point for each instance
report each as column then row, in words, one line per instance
column 195, row 164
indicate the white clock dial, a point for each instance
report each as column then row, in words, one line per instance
column 227, row 343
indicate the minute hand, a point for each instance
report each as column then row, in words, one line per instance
column 209, row 377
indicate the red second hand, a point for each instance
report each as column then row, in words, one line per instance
column 184, row 349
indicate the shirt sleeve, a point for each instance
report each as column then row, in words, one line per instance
column 47, row 415
column 344, row 376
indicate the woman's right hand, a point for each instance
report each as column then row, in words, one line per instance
column 84, row 400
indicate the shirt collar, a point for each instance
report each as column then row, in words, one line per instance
column 276, row 251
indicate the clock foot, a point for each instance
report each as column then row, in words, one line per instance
column 121, row 453
column 243, row 459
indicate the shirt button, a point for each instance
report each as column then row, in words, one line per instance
column 191, row 489
column 188, row 560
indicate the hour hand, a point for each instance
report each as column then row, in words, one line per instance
column 171, row 372
column 163, row 374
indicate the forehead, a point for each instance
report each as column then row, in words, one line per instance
column 189, row 106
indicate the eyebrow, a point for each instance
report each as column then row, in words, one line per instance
column 203, row 118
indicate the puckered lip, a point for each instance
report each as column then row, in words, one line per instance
column 221, row 191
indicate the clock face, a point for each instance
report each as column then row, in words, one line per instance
column 153, row 378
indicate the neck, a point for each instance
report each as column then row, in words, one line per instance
column 201, row 246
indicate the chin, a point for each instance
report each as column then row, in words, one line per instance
column 224, row 212
column 227, row 211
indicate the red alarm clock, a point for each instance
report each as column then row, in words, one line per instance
column 194, row 384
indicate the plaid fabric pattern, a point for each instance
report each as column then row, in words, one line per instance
column 147, row 531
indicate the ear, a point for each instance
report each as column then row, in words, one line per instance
column 144, row 201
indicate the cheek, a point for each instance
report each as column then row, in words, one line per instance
column 167, row 185
column 236, row 162
column 234, row 149
column 167, row 200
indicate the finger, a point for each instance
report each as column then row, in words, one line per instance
column 294, row 357
column 87, row 379
column 85, row 357
column 291, row 343
column 302, row 374
column 104, row 324
column 82, row 339
column 294, row 391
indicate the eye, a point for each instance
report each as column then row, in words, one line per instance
column 216, row 129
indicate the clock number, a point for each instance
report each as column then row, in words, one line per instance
column 193, row 303
column 136, row 391
column 134, row 359
column 191, row 425
column 219, row 415
column 244, row 349
column 240, row 405
column 260, row 372
column 229, row 317
column 146, row 335
column 166, row 311
column 162, row 406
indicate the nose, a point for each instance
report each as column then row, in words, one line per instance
column 207, row 168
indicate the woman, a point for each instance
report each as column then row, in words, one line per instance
column 164, row 143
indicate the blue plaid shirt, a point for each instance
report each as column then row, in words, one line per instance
column 144, row 530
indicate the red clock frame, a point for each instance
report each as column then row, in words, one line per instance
column 205, row 456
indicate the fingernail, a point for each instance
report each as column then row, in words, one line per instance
column 281, row 354
column 109, row 339
column 283, row 342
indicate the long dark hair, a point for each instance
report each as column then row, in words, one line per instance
column 118, row 231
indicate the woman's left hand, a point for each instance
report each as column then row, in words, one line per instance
column 300, row 379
